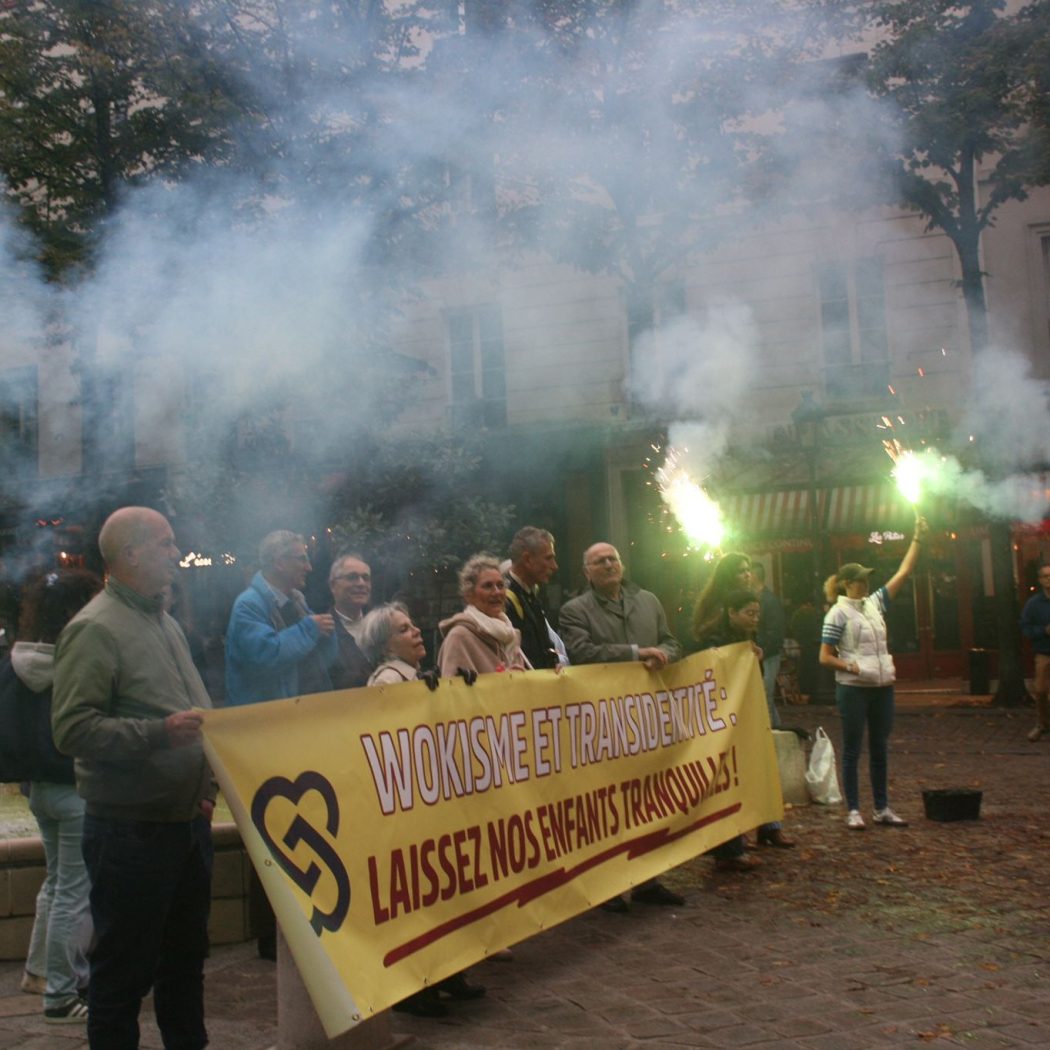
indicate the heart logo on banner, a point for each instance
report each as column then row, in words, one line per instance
column 301, row 830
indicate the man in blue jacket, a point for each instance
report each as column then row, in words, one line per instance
column 276, row 646
column 1035, row 626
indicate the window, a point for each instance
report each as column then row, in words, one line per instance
column 18, row 421
column 477, row 368
column 644, row 312
column 108, row 408
column 853, row 328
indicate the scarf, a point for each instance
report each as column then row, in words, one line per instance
column 500, row 629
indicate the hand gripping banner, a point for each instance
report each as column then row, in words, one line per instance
column 402, row 835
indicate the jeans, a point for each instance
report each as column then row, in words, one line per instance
column 862, row 706
column 62, row 926
column 770, row 670
column 150, row 896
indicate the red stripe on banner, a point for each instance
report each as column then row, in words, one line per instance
column 547, row 883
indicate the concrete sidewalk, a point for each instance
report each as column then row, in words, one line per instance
column 934, row 933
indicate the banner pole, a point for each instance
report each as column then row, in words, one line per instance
column 299, row 1028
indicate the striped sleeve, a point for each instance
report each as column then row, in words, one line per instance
column 834, row 625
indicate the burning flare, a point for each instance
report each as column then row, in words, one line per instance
column 698, row 515
column 912, row 470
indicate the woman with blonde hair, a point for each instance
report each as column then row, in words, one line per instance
column 481, row 638
column 854, row 643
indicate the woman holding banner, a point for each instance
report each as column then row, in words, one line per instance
column 853, row 642
column 481, row 638
column 394, row 645
column 738, row 622
column 732, row 572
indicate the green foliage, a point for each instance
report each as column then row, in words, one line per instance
column 958, row 80
column 95, row 98
column 416, row 505
column 294, row 99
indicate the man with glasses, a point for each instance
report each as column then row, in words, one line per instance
column 612, row 622
column 350, row 581
column 276, row 646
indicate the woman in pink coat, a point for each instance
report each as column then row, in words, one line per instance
column 481, row 638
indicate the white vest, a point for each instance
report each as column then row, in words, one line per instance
column 864, row 641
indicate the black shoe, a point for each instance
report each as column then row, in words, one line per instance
column 657, row 893
column 776, row 838
column 615, row 906
column 740, row 864
column 458, row 987
column 422, row 1004
column 268, row 948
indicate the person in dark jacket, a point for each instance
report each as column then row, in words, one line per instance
column 770, row 638
column 350, row 581
column 532, row 564
column 56, row 964
column 1035, row 626
column 741, row 614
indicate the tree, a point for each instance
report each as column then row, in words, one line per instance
column 416, row 506
column 97, row 97
column 960, row 129
column 635, row 160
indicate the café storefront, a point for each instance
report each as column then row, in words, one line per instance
column 944, row 612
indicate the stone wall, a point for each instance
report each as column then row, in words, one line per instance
column 22, row 871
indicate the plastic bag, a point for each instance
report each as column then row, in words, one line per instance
column 822, row 779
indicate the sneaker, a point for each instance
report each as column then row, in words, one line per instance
column 73, row 1012
column 854, row 821
column 1037, row 733
column 887, row 816
column 33, row 983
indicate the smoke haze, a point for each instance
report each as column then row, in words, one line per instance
column 280, row 287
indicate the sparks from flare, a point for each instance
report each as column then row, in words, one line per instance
column 698, row 515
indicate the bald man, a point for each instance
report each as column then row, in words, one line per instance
column 614, row 621
column 128, row 706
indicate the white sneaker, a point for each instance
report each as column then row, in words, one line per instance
column 887, row 816
column 854, row 821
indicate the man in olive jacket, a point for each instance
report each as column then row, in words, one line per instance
column 127, row 706
column 613, row 622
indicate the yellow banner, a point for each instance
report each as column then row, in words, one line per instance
column 402, row 835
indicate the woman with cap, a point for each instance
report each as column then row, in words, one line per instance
column 854, row 643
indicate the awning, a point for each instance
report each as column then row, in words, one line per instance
column 767, row 513
column 858, row 508
column 845, row 508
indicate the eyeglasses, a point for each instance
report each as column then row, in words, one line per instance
column 355, row 577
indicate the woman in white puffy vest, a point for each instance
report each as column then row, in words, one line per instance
column 854, row 643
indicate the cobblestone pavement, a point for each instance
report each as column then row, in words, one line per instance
column 937, row 933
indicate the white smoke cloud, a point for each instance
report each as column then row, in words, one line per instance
column 278, row 293
column 698, row 373
column 1008, row 412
